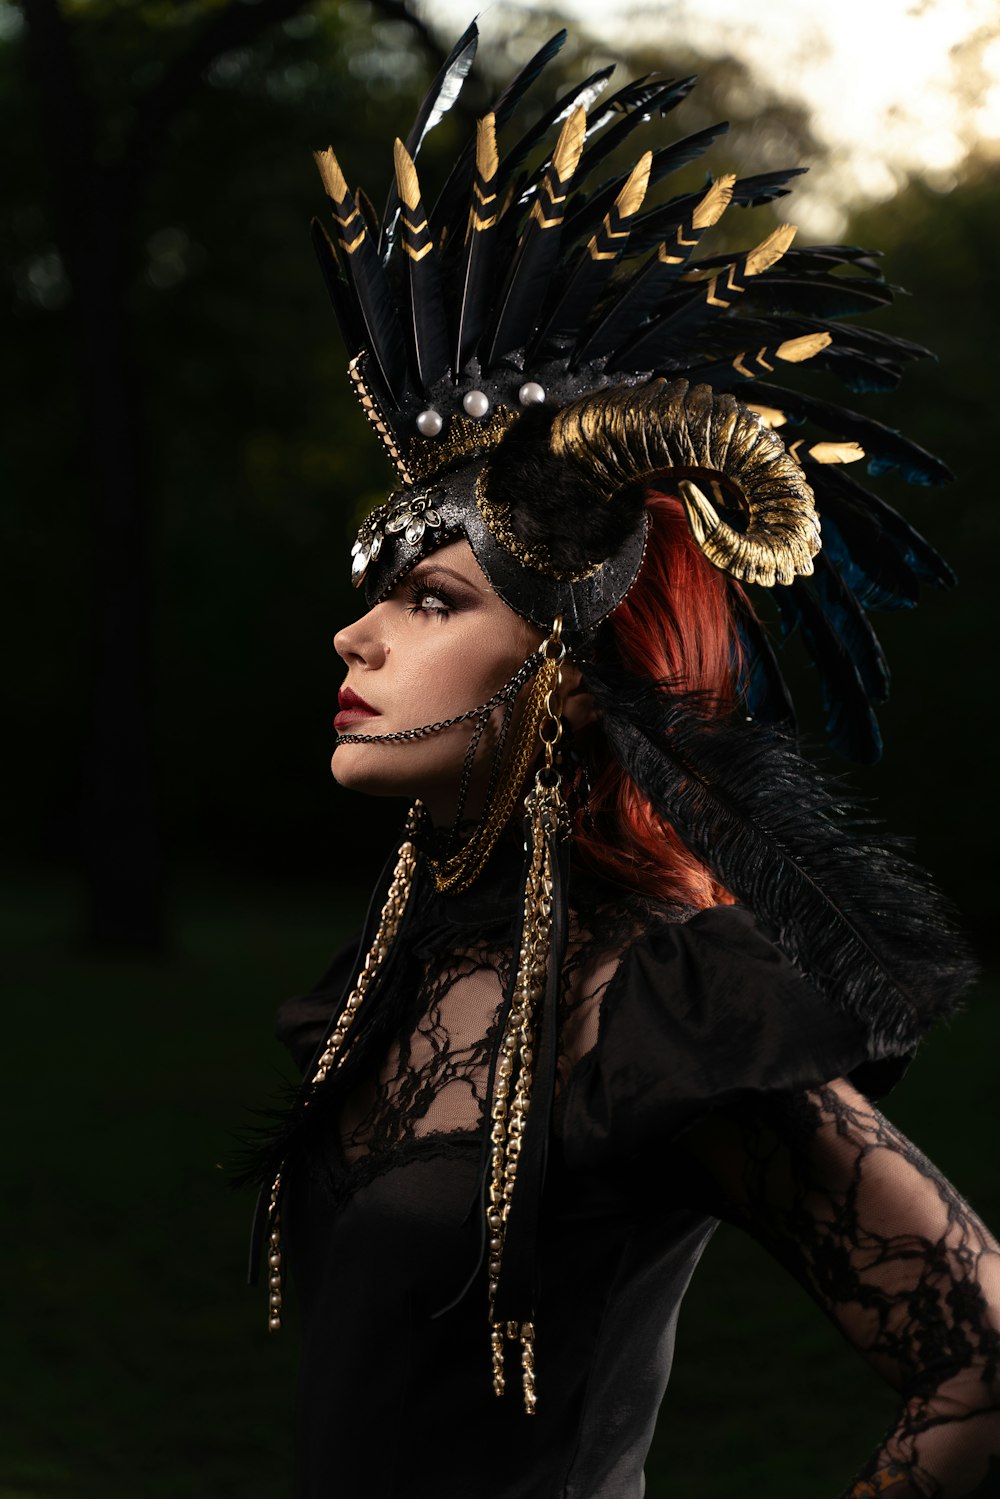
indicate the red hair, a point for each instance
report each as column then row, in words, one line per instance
column 676, row 623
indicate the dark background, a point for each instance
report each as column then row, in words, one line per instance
column 181, row 464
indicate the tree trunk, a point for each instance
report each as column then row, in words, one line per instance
column 120, row 838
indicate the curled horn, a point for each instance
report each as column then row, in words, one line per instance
column 621, row 437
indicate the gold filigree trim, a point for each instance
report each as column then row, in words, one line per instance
column 465, row 438
column 497, row 517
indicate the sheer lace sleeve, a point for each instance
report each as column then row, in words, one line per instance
column 896, row 1259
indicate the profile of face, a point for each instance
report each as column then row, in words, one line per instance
column 441, row 642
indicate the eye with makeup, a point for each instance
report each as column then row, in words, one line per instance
column 427, row 598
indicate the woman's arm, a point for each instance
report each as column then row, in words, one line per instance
column 894, row 1256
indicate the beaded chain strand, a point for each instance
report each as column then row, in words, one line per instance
column 389, row 923
column 515, row 1065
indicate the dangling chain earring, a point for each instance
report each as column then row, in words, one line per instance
column 547, row 820
column 460, row 869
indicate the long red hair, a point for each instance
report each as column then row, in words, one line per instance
column 677, row 624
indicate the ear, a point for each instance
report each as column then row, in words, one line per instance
column 579, row 708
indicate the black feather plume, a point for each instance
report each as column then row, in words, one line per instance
column 761, row 683
column 582, row 219
column 367, row 277
column 884, row 446
column 683, row 316
column 345, row 307
column 747, row 192
column 436, row 103
column 583, row 94
column 476, row 280
column 449, row 210
column 646, row 287
column 849, row 501
column 428, row 319
column 596, row 261
column 537, row 252
column 851, row 725
column 863, row 924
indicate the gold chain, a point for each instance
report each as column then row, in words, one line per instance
column 515, row 1062
column 334, row 1051
column 463, row 867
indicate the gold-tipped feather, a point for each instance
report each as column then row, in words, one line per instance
column 334, row 181
column 715, row 202
column 828, row 452
column 770, row 416
column 795, row 350
column 569, row 146
column 770, row 250
column 487, row 156
column 629, row 200
column 406, row 176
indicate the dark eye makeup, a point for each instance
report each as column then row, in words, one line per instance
column 420, row 589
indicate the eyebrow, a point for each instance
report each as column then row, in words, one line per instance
column 426, row 569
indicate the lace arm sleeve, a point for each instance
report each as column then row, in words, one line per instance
column 895, row 1257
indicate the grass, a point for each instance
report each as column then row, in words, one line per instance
column 142, row 1367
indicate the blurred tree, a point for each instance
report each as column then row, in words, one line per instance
column 111, row 82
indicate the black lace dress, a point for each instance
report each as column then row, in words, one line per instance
column 699, row 1077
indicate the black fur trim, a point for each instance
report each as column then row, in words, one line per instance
column 547, row 507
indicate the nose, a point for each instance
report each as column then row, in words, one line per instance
column 361, row 644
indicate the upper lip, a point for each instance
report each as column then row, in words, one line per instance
column 348, row 698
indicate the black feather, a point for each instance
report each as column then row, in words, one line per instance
column 863, row 924
column 839, row 491
column 428, row 328
column 345, row 307
column 848, row 619
column 436, row 103
column 884, row 446
column 761, row 683
column 582, row 93
column 370, row 287
column 449, row 210
column 584, row 218
column 851, row 725
column 748, row 192
column 865, row 556
column 537, row 255
column 664, row 98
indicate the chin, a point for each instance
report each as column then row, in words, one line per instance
column 369, row 769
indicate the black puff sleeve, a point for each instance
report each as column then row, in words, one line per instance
column 699, row 1015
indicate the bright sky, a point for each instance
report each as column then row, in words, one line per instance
column 895, row 87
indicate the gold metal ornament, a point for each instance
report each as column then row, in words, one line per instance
column 621, row 437
column 546, row 813
column 464, row 866
column 338, row 1046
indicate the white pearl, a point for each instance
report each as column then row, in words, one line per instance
column 530, row 393
column 476, row 402
column 429, row 422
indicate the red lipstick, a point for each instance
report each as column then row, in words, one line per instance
column 353, row 709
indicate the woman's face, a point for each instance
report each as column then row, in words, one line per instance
column 440, row 643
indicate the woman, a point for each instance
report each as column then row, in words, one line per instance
column 632, row 968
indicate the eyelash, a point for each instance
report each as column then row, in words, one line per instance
column 419, row 591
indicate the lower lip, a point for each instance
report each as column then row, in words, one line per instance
column 348, row 716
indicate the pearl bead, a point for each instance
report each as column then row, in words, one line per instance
column 476, row 402
column 530, row 393
column 429, row 422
